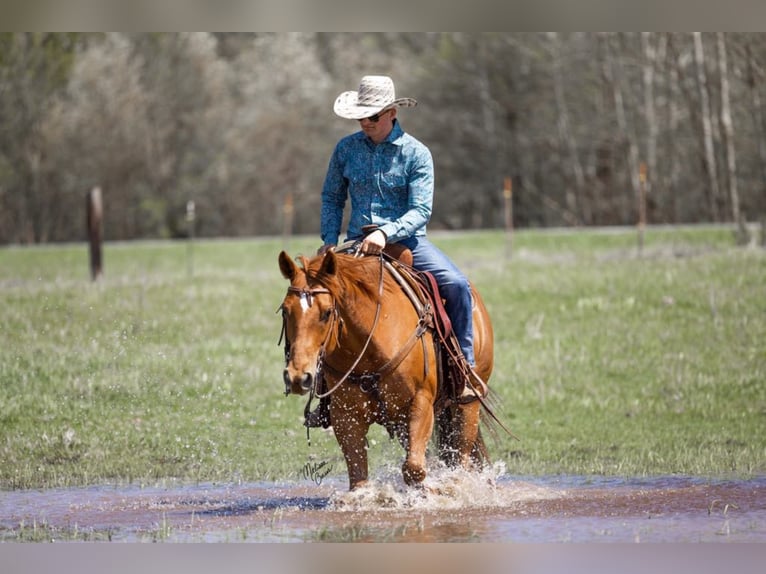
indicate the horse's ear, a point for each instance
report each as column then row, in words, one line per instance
column 329, row 264
column 287, row 266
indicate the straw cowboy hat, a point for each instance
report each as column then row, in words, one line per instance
column 375, row 94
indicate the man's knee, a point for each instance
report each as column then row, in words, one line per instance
column 460, row 287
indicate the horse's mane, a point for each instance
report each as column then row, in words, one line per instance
column 354, row 275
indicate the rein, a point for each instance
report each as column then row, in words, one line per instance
column 348, row 373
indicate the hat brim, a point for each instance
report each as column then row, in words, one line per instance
column 346, row 106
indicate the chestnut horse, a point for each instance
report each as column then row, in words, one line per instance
column 348, row 320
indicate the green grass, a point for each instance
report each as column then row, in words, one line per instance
column 43, row 532
column 606, row 363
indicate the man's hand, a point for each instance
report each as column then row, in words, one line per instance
column 374, row 242
column 325, row 248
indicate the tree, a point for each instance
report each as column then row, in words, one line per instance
column 239, row 122
column 33, row 68
column 728, row 131
column 707, row 128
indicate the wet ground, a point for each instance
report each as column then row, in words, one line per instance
column 455, row 507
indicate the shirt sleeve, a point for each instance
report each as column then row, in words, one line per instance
column 420, row 199
column 334, row 195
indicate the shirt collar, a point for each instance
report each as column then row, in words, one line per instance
column 396, row 133
column 393, row 137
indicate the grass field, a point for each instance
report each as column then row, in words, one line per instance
column 606, row 363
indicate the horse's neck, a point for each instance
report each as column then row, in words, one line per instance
column 358, row 308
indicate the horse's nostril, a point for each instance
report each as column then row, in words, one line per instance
column 305, row 382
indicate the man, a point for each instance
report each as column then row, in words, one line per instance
column 389, row 176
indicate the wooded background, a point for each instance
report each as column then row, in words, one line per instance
column 242, row 124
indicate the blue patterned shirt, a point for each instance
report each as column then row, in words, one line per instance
column 391, row 185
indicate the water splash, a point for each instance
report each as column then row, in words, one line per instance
column 443, row 489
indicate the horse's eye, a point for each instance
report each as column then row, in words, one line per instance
column 325, row 315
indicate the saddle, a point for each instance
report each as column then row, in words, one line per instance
column 425, row 281
column 423, row 291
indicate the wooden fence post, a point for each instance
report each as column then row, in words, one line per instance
column 641, row 207
column 95, row 217
column 190, row 217
column 508, row 199
column 288, row 214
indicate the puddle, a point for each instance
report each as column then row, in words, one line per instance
column 455, row 507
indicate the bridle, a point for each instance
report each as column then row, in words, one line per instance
column 309, row 294
column 306, row 295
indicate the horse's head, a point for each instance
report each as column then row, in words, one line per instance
column 308, row 312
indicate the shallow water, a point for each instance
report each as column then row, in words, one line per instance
column 454, row 507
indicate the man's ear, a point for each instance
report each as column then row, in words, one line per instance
column 287, row 266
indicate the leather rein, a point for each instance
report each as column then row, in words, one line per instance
column 322, row 362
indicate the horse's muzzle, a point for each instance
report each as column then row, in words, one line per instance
column 297, row 385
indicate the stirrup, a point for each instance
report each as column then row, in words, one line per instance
column 470, row 391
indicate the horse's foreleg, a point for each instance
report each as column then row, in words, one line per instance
column 350, row 429
column 421, row 426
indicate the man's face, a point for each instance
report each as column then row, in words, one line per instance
column 378, row 130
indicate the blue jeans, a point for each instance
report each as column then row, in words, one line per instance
column 453, row 286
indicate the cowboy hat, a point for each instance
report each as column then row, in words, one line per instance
column 375, row 94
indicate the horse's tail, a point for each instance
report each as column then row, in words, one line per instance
column 479, row 452
column 448, row 433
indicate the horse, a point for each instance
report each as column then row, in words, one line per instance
column 347, row 319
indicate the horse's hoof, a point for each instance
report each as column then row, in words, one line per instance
column 445, row 491
column 413, row 475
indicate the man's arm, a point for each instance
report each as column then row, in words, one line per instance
column 420, row 199
column 334, row 194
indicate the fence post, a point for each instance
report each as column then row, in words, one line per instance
column 508, row 200
column 95, row 216
column 190, row 216
column 288, row 214
column 641, row 207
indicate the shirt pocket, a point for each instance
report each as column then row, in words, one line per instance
column 394, row 183
column 394, row 196
column 357, row 176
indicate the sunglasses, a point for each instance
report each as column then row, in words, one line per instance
column 375, row 118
